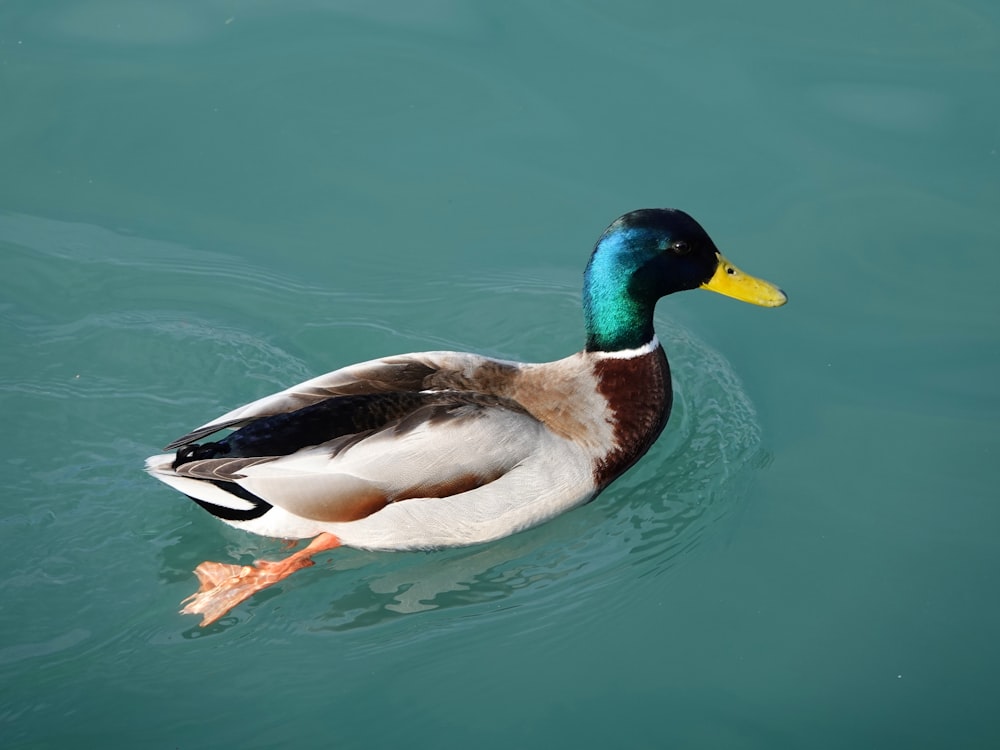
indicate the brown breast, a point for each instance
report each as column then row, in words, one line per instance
column 638, row 391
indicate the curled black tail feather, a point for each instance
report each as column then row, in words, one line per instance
column 195, row 452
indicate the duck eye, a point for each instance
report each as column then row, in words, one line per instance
column 680, row 247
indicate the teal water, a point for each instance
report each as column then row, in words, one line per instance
column 204, row 202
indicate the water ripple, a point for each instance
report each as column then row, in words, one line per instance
column 641, row 526
column 200, row 361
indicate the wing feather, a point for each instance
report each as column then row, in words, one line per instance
column 404, row 373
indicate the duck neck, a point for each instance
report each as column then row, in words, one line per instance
column 615, row 316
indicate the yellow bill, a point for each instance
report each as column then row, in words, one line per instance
column 732, row 282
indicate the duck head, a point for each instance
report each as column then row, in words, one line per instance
column 648, row 254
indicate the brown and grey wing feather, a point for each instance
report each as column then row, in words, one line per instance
column 403, row 373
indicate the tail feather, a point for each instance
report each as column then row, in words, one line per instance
column 226, row 500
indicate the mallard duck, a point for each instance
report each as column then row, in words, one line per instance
column 445, row 449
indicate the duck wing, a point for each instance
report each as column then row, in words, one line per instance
column 400, row 375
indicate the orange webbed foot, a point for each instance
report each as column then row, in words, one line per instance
column 223, row 586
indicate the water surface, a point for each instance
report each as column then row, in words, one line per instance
column 205, row 202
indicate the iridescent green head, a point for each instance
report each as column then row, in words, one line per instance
column 645, row 255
